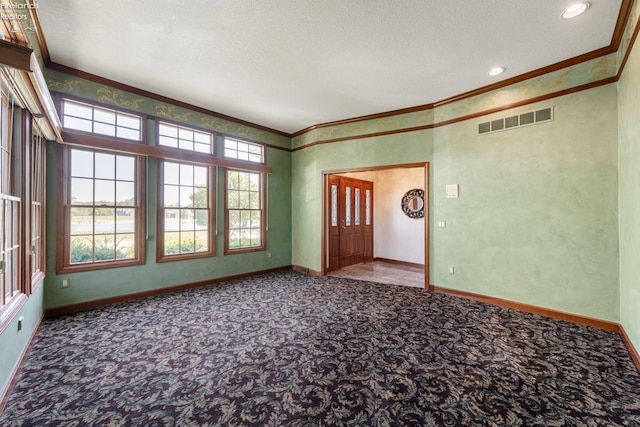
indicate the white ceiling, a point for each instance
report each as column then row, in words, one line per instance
column 291, row 64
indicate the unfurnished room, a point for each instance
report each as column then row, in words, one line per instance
column 320, row 213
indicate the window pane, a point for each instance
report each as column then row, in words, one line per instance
column 105, row 247
column 254, row 200
column 234, row 219
column 102, row 129
column 78, row 124
column 105, row 166
column 81, row 191
column 255, row 219
column 128, row 121
column 125, row 193
column 200, row 198
column 81, row 249
column 255, row 237
column 128, row 134
column 171, row 196
column 105, row 221
column 81, row 221
column 202, row 241
column 172, row 219
column 168, row 130
column 77, row 110
column 168, row 142
column 104, row 116
column 125, row 168
column 185, row 134
column 171, row 243
column 186, row 174
column 187, row 220
column 234, row 239
column 125, row 220
column 202, row 218
column 171, row 173
column 105, row 192
column 186, row 196
column 125, row 246
column 203, row 138
column 233, row 180
column 243, row 199
column 185, row 145
column 200, row 176
column 82, row 163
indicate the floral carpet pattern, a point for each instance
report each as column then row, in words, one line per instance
column 287, row 349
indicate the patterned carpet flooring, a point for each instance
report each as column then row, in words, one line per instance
column 287, row 349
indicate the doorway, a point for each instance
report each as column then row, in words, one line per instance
column 351, row 221
column 392, row 237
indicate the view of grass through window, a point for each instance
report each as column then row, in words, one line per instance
column 186, row 208
column 103, row 207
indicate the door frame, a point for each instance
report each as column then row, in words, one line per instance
column 326, row 205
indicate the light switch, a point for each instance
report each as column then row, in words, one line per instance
column 442, row 224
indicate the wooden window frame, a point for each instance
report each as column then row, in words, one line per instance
column 263, row 233
column 211, row 183
column 212, row 151
column 24, row 156
column 63, row 264
column 38, row 222
column 60, row 98
column 263, row 148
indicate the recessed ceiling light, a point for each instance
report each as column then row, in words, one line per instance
column 497, row 71
column 575, row 10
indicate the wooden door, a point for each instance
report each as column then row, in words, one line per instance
column 350, row 227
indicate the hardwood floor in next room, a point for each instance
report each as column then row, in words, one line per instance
column 383, row 272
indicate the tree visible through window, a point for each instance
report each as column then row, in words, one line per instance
column 186, row 221
column 244, row 211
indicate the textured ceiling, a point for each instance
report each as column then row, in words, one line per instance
column 289, row 64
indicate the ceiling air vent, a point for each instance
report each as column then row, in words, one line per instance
column 524, row 119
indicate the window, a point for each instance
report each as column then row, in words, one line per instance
column 37, row 207
column 185, row 214
column 102, row 210
column 101, row 121
column 10, row 211
column 243, row 150
column 245, row 222
column 184, row 138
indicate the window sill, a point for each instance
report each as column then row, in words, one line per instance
column 243, row 250
column 77, row 268
column 184, row 257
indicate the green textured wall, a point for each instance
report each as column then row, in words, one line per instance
column 629, row 195
column 88, row 286
column 306, row 180
column 12, row 341
column 536, row 220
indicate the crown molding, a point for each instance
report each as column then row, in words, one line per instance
column 616, row 39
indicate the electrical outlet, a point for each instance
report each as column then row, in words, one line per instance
column 64, row 283
column 451, row 270
column 268, row 254
column 20, row 320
